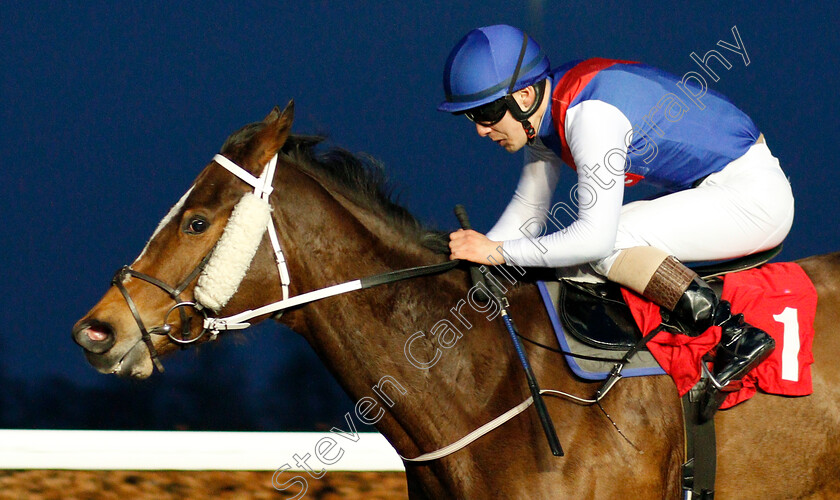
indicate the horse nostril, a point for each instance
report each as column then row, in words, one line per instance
column 94, row 336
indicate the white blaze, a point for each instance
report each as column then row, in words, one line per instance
column 169, row 216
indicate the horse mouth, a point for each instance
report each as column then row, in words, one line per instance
column 135, row 363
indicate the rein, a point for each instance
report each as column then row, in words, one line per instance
column 240, row 321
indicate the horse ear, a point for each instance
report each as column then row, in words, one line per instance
column 276, row 113
column 279, row 125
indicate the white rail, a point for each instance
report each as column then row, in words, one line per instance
column 171, row 450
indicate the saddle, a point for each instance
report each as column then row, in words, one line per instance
column 591, row 320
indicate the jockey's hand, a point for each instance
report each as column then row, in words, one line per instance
column 470, row 245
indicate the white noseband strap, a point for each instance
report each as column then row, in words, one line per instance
column 242, row 236
column 234, row 252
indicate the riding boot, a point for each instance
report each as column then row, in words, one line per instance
column 690, row 306
column 742, row 346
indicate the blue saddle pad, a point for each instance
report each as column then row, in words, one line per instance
column 643, row 363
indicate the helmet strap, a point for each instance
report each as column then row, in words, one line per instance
column 529, row 130
column 521, row 115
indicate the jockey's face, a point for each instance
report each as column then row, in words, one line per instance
column 508, row 132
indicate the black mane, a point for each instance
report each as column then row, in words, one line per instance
column 362, row 179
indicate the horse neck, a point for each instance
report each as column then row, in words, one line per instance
column 361, row 336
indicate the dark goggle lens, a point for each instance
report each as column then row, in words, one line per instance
column 488, row 114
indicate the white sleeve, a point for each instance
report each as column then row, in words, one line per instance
column 593, row 129
column 533, row 194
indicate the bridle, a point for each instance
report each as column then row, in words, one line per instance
column 175, row 293
column 215, row 325
column 262, row 188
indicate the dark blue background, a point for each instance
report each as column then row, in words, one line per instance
column 109, row 110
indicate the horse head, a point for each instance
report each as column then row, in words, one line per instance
column 195, row 260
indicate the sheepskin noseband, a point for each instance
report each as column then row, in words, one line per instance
column 234, row 252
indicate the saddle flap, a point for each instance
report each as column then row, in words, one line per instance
column 595, row 314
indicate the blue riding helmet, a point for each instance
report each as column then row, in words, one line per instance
column 489, row 63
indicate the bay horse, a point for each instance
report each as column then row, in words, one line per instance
column 336, row 223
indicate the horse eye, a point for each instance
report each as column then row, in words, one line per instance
column 197, row 225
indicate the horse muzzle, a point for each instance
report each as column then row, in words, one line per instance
column 119, row 339
column 106, row 355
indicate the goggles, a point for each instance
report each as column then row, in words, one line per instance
column 488, row 114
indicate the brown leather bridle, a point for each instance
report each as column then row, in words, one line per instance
column 127, row 272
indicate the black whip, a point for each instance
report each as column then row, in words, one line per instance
column 539, row 404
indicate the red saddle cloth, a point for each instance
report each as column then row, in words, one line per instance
column 779, row 298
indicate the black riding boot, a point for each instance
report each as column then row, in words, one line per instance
column 742, row 346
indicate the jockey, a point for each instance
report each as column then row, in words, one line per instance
column 721, row 193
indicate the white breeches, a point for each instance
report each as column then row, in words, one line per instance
column 745, row 208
